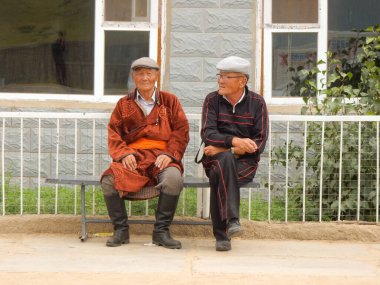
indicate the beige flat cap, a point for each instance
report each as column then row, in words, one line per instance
column 145, row 62
column 234, row 64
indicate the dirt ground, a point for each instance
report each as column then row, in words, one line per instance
column 65, row 224
column 43, row 250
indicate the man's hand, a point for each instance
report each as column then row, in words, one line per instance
column 163, row 161
column 129, row 162
column 244, row 145
column 213, row 150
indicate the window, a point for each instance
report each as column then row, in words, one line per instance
column 298, row 33
column 346, row 19
column 82, row 49
column 295, row 11
column 127, row 10
column 130, row 31
column 291, row 52
column 292, row 31
column 47, row 47
column 122, row 48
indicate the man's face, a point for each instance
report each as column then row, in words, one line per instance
column 145, row 78
column 230, row 83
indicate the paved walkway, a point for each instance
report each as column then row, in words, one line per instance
column 62, row 259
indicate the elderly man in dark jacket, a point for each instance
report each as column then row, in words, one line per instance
column 234, row 130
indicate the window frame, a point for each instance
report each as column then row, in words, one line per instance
column 100, row 27
column 319, row 28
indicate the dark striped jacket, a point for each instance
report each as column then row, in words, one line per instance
column 221, row 121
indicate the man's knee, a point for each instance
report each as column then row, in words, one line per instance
column 225, row 157
column 108, row 187
column 170, row 181
column 222, row 160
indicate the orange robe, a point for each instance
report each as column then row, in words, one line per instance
column 167, row 124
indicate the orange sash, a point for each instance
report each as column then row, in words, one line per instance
column 144, row 143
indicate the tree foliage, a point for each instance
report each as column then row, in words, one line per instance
column 352, row 88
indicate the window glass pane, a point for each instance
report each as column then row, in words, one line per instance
column 141, row 8
column 127, row 10
column 346, row 17
column 291, row 52
column 47, row 46
column 122, row 48
column 294, row 11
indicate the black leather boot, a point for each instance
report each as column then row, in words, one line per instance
column 120, row 236
column 166, row 207
column 118, row 214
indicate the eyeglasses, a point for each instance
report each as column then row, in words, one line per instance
column 227, row 77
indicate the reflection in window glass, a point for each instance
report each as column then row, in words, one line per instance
column 122, row 48
column 141, row 8
column 47, row 46
column 346, row 18
column 118, row 10
column 127, row 10
column 347, row 15
column 291, row 52
column 294, row 11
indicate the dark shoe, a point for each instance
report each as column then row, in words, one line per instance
column 223, row 245
column 120, row 236
column 164, row 239
column 233, row 228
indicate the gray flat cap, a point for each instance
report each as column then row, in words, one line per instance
column 145, row 62
column 234, row 64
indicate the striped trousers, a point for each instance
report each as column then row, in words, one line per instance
column 226, row 175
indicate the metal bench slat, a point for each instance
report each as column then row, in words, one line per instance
column 74, row 180
column 95, row 180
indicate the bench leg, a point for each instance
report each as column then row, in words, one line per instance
column 83, row 211
column 206, row 203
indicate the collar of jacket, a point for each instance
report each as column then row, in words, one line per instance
column 133, row 95
column 246, row 91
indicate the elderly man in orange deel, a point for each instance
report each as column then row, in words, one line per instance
column 147, row 136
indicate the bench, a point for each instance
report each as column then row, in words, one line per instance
column 84, row 181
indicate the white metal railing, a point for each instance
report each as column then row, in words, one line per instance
column 96, row 123
column 323, row 119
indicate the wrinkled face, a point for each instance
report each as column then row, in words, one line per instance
column 230, row 83
column 145, row 78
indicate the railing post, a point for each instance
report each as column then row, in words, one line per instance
column 206, row 203
column 203, row 198
column 93, row 162
column 269, row 168
column 57, row 167
column 377, row 171
column 340, row 171
column 304, row 175
column 200, row 198
column 287, row 172
column 21, row 166
column 2, row 168
column 359, row 168
column 321, row 174
column 199, row 203
column 39, row 168
column 75, row 162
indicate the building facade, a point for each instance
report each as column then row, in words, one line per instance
column 68, row 54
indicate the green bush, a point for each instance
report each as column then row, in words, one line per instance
column 352, row 88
